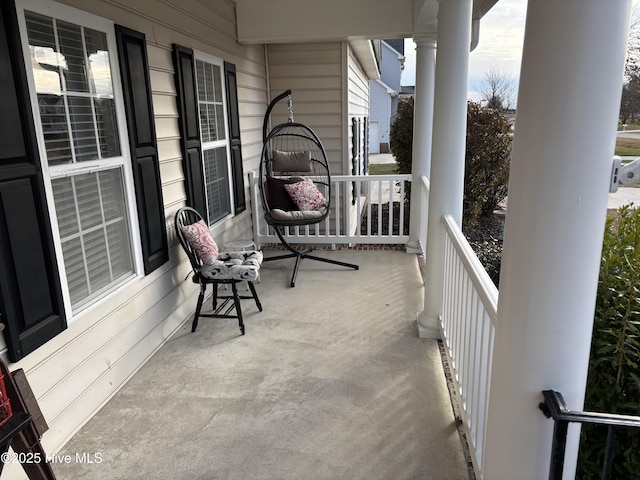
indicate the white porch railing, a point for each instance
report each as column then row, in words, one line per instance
column 469, row 313
column 353, row 199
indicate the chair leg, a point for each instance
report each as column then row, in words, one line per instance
column 255, row 295
column 194, row 324
column 294, row 275
column 236, row 301
column 215, row 296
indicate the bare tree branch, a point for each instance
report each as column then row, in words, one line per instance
column 497, row 90
column 630, row 101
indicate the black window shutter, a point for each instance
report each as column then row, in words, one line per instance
column 366, row 145
column 31, row 305
column 134, row 69
column 190, row 144
column 234, row 137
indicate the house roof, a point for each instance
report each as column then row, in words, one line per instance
column 407, row 90
column 389, row 90
column 364, row 51
column 389, row 46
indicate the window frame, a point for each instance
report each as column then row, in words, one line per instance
column 123, row 161
column 219, row 226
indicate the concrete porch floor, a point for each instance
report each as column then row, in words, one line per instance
column 330, row 382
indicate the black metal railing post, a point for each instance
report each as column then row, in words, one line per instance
column 558, row 448
column 555, row 407
column 609, row 452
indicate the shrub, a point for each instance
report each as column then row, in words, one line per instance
column 487, row 156
column 487, row 161
column 401, row 135
column 489, row 252
column 613, row 384
column 401, row 140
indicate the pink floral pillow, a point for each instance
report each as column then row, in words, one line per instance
column 200, row 239
column 306, row 195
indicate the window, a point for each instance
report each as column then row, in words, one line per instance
column 213, row 134
column 206, row 106
column 83, row 149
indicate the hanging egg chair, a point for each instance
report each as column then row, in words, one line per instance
column 295, row 183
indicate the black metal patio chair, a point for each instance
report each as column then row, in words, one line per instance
column 211, row 267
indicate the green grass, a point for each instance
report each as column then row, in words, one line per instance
column 383, row 169
column 628, row 146
column 630, row 126
column 624, row 147
column 627, row 151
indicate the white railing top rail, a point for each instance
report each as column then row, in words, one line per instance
column 372, row 178
column 479, row 276
column 353, row 178
column 425, row 182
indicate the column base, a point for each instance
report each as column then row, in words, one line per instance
column 413, row 246
column 428, row 327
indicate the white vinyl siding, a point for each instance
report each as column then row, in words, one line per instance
column 358, row 88
column 358, row 104
column 380, row 110
column 314, row 73
column 75, row 373
column 384, row 92
column 391, row 66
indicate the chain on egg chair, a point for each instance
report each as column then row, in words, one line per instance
column 295, row 183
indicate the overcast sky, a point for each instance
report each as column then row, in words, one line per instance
column 501, row 36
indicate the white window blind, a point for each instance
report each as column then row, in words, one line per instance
column 75, row 94
column 94, row 232
column 211, row 105
column 216, row 172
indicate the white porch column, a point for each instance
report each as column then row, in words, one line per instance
column 447, row 158
column 422, row 132
column 568, row 105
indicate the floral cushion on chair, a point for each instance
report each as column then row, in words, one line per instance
column 306, row 195
column 234, row 266
column 199, row 238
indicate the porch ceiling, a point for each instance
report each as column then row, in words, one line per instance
column 290, row 21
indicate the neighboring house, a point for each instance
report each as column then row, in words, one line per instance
column 384, row 94
column 407, row 91
column 115, row 116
